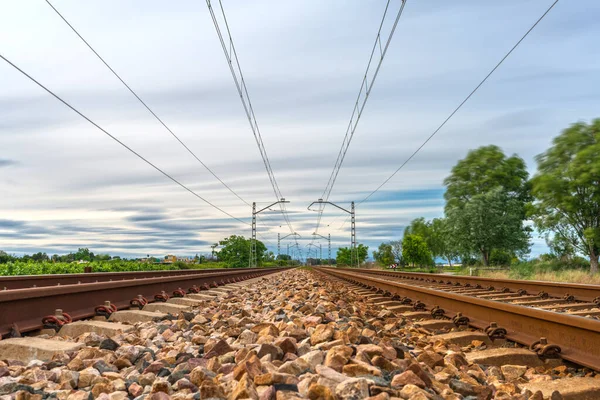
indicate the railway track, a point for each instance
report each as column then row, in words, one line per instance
column 572, row 291
column 23, row 309
column 570, row 336
column 32, row 281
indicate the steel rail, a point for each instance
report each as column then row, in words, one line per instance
column 24, row 308
column 30, row 281
column 581, row 292
column 578, row 337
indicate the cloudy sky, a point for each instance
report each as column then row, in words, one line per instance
column 64, row 184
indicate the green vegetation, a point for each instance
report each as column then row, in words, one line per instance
column 415, row 250
column 490, row 204
column 384, row 255
column 235, row 253
column 344, row 255
column 567, row 190
column 31, row 267
column 486, row 200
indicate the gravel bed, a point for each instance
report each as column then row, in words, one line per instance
column 293, row 335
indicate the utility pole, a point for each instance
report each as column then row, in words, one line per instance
column 320, row 254
column 328, row 238
column 353, row 249
column 328, row 248
column 353, row 234
column 279, row 239
column 253, row 258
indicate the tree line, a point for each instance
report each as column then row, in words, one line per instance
column 492, row 206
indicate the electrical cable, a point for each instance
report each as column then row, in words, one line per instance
column 458, row 107
column 365, row 88
column 119, row 141
column 231, row 56
column 145, row 105
column 462, row 103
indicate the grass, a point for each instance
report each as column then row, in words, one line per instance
column 569, row 276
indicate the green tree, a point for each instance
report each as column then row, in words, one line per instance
column 560, row 248
column 384, row 255
column 39, row 257
column 418, row 226
column 437, row 236
column 567, row 189
column 415, row 251
column 397, row 250
column 486, row 201
column 83, row 254
column 488, row 222
column 483, row 170
column 344, row 255
column 5, row 257
column 235, row 251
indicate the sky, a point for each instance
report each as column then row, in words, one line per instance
column 64, row 184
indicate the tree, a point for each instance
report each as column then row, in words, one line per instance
column 40, row 257
column 437, row 236
column 560, row 248
column 84, row 254
column 442, row 243
column 269, row 256
column 418, row 227
column 415, row 251
column 344, row 255
column 488, row 222
column 235, row 251
column 5, row 257
column 397, row 250
column 384, row 255
column 566, row 188
column 483, row 170
column 486, row 201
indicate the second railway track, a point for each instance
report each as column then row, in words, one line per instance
column 574, row 337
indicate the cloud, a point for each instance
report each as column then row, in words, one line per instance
column 75, row 187
column 4, row 162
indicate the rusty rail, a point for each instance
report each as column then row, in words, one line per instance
column 578, row 337
column 25, row 308
column 30, row 281
column 555, row 289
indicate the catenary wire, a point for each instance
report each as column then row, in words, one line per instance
column 231, row 56
column 120, row 142
column 459, row 106
column 134, row 93
column 365, row 89
column 144, row 103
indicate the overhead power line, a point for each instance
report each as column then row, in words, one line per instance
column 145, row 105
column 361, row 100
column 149, row 109
column 238, row 78
column 459, row 106
column 119, row 141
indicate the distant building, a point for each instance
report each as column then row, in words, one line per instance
column 170, row 259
